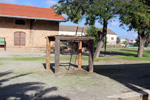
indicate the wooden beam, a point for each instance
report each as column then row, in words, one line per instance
column 57, row 54
column 141, row 94
column 5, row 46
column 79, row 54
column 74, row 38
column 91, row 43
column 47, row 54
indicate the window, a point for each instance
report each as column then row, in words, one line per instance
column 112, row 38
column 19, row 39
column 20, row 22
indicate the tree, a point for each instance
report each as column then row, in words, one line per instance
column 146, row 43
column 118, row 40
column 136, row 14
column 125, row 43
column 92, row 10
column 93, row 31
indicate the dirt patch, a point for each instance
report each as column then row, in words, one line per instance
column 76, row 72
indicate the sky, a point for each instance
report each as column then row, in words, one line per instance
column 113, row 25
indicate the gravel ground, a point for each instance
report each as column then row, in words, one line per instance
column 28, row 80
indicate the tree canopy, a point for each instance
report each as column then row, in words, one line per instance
column 118, row 40
column 93, row 31
column 136, row 15
column 92, row 10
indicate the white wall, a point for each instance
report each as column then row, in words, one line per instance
column 109, row 36
column 111, row 41
column 70, row 33
column 122, row 40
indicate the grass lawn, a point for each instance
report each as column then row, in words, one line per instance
column 62, row 58
column 128, row 54
column 96, row 59
column 1, row 63
column 119, row 53
column 135, row 58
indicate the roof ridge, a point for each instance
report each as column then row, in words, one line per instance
column 72, row 28
column 29, row 12
column 75, row 26
column 83, row 26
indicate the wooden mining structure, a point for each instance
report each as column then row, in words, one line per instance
column 58, row 39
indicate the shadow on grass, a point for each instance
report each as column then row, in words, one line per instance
column 5, row 73
column 66, row 65
column 52, row 65
column 26, row 91
column 130, row 75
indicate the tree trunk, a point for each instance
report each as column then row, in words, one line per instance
column 99, row 46
column 105, row 43
column 101, row 39
column 142, row 39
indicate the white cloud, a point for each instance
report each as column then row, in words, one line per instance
column 51, row 2
column 129, row 35
column 114, row 24
column 8, row 1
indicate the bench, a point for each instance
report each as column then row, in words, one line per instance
column 2, row 42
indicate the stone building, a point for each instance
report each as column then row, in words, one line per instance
column 25, row 27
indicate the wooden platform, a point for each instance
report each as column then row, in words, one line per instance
column 66, row 38
column 135, row 95
column 70, row 38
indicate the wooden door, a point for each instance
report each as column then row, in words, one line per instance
column 22, row 38
column 19, row 38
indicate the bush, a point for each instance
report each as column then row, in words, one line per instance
column 93, row 31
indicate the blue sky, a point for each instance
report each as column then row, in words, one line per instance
column 114, row 25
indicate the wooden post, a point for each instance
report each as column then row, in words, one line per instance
column 57, row 54
column 91, row 43
column 79, row 54
column 47, row 54
column 5, row 46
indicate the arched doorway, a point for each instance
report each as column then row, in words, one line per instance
column 19, row 39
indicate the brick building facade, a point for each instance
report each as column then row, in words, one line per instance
column 27, row 31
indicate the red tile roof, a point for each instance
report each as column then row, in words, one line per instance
column 29, row 12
